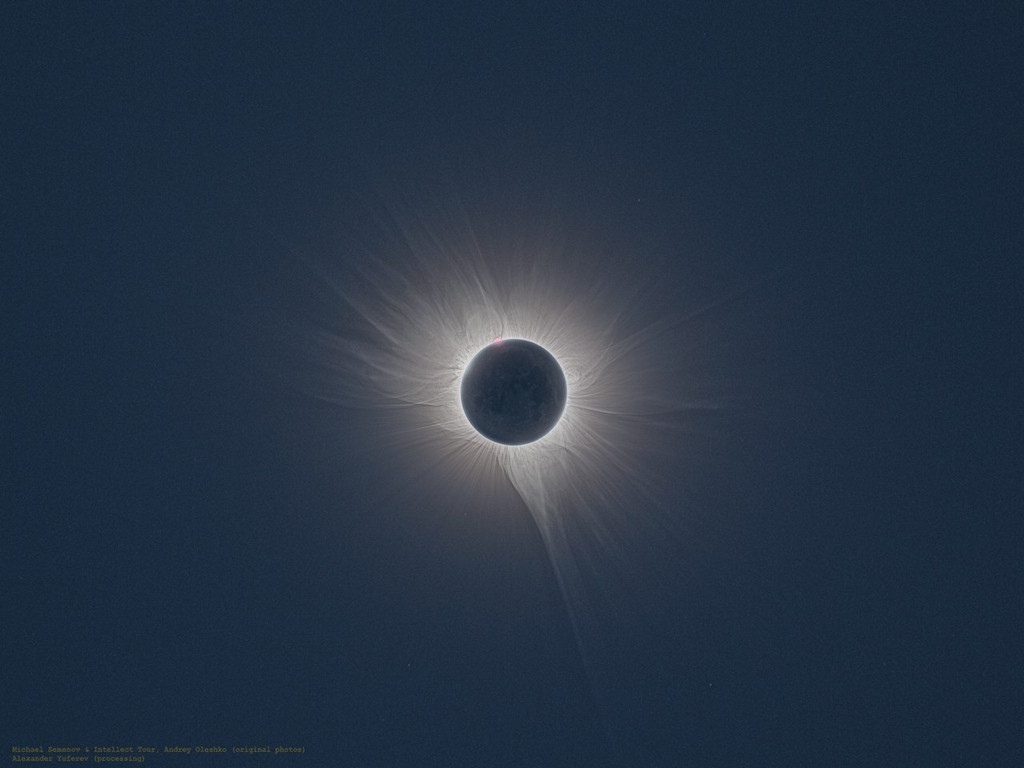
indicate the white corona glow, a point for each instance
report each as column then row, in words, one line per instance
column 419, row 298
column 427, row 306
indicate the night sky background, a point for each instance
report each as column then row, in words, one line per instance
column 196, row 552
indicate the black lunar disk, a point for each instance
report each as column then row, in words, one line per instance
column 513, row 391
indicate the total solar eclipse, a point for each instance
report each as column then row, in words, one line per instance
column 499, row 366
column 513, row 392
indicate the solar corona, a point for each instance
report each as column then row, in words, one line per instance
column 540, row 367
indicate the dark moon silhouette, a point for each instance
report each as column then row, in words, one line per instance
column 513, row 391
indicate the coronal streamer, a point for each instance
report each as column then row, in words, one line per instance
column 426, row 290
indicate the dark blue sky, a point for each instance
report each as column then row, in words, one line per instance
column 194, row 552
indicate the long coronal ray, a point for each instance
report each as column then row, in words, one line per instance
column 414, row 310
